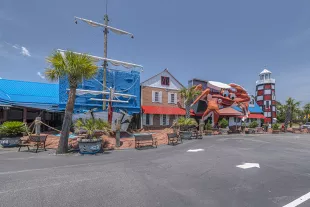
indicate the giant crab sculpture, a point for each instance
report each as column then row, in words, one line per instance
column 226, row 97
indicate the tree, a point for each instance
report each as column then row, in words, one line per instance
column 75, row 67
column 307, row 111
column 293, row 105
column 188, row 94
column 281, row 112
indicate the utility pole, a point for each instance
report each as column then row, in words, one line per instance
column 105, row 53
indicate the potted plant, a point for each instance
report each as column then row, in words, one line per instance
column 208, row 128
column 252, row 127
column 223, row 123
column 275, row 128
column 12, row 131
column 184, row 125
column 91, row 143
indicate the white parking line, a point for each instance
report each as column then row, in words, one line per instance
column 298, row 201
column 195, row 150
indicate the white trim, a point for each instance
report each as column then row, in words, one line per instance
column 161, row 120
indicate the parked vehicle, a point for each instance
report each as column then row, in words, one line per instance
column 306, row 125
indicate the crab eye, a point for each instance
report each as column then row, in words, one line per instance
column 225, row 93
column 232, row 96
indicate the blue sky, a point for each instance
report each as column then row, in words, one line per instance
column 227, row 41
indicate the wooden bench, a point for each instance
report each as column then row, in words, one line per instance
column 173, row 138
column 142, row 140
column 34, row 140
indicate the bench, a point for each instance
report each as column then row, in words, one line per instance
column 196, row 134
column 144, row 140
column 34, row 140
column 173, row 138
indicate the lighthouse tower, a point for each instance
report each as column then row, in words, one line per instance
column 266, row 95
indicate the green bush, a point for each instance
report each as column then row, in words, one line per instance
column 223, row 123
column 186, row 122
column 275, row 126
column 12, row 128
column 253, row 124
column 208, row 126
column 92, row 125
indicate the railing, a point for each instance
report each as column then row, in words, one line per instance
column 271, row 80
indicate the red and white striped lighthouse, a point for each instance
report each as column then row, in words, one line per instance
column 266, row 95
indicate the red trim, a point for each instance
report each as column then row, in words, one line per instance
column 260, row 92
column 163, row 110
column 267, row 97
column 255, row 116
column 274, row 115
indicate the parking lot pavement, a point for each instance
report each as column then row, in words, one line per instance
column 275, row 172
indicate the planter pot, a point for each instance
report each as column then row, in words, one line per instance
column 185, row 135
column 90, row 146
column 10, row 141
column 224, row 130
column 208, row 132
column 275, row 131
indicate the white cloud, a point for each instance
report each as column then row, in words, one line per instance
column 25, row 52
column 41, row 75
column 16, row 46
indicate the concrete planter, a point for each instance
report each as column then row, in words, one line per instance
column 10, row 141
column 208, row 132
column 275, row 131
column 224, row 130
column 185, row 134
column 90, row 146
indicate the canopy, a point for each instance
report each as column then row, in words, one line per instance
column 163, row 110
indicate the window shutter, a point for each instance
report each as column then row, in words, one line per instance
column 175, row 98
column 153, row 96
column 151, row 119
column 169, row 97
column 144, row 119
column 167, row 120
column 160, row 96
column 161, row 119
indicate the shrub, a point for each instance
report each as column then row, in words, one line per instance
column 12, row 128
column 92, row 125
column 208, row 126
column 276, row 126
column 253, row 124
column 186, row 122
column 223, row 123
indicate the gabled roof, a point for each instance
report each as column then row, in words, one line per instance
column 17, row 92
column 265, row 71
column 166, row 70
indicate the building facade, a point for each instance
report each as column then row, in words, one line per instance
column 266, row 95
column 161, row 101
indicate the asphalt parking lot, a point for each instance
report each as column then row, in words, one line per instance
column 207, row 175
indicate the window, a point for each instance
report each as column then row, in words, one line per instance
column 267, row 114
column 172, row 98
column 165, row 81
column 164, row 120
column 147, row 119
column 262, row 77
column 157, row 96
column 267, row 104
column 252, row 101
column 273, row 97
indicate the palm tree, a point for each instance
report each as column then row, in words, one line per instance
column 293, row 105
column 188, row 94
column 307, row 111
column 281, row 111
column 75, row 67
